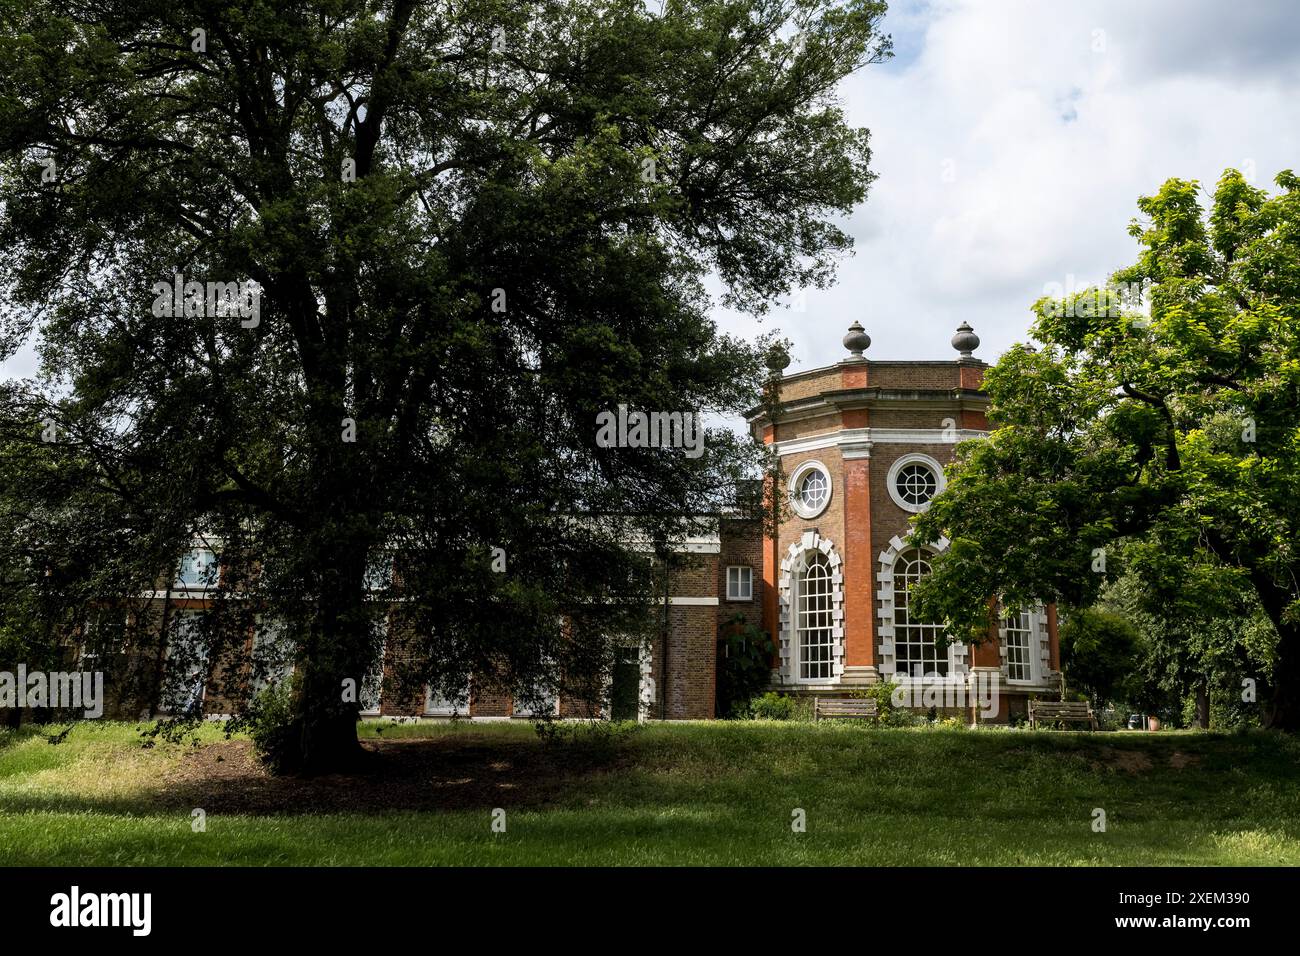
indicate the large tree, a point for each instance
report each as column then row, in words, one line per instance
column 1163, row 409
column 473, row 227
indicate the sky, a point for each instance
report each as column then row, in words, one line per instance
column 1012, row 141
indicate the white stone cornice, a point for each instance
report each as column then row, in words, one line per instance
column 857, row 442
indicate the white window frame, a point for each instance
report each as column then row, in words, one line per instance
column 178, row 581
column 745, row 577
column 1030, row 620
column 903, row 673
column 823, row 613
column 796, row 483
column 435, row 705
column 914, row 458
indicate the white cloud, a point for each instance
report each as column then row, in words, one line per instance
column 1051, row 131
column 1051, row 120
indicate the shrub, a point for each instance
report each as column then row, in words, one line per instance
column 745, row 669
column 890, row 716
column 774, row 706
column 771, row 706
column 270, row 723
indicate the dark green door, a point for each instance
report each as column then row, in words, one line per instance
column 626, row 684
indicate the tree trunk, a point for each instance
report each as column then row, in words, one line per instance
column 335, row 661
column 1203, row 703
column 327, row 739
column 1283, row 710
column 336, row 649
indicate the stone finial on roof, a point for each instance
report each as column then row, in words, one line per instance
column 856, row 341
column 778, row 358
column 965, row 341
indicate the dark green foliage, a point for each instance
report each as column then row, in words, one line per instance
column 744, row 666
column 1099, row 654
column 474, row 229
column 270, row 723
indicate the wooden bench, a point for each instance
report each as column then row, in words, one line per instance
column 1077, row 711
column 863, row 708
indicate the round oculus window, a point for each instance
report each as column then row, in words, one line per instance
column 810, row 489
column 914, row 480
column 916, row 484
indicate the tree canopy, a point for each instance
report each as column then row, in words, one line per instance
column 1163, row 411
column 458, row 232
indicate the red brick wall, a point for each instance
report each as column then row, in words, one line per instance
column 692, row 663
column 742, row 546
column 859, row 565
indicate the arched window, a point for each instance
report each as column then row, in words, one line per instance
column 916, row 644
column 814, row 622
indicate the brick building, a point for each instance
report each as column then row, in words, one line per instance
column 862, row 445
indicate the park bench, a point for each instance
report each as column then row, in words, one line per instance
column 1078, row 711
column 861, row 708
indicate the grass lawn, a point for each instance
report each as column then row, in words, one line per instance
column 707, row 793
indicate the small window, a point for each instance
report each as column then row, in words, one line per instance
column 198, row 569
column 740, row 584
column 438, row 705
column 810, row 489
column 536, row 701
column 273, row 652
column 913, row 482
column 379, row 573
column 536, row 695
column 916, row 484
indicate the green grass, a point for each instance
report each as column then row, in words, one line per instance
column 715, row 793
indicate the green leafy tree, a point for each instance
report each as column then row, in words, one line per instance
column 1202, row 636
column 472, row 228
column 1099, row 654
column 1176, row 425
